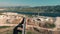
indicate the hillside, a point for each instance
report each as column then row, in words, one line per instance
column 45, row 9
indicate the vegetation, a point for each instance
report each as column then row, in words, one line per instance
column 29, row 32
column 19, row 32
column 4, row 27
column 47, row 25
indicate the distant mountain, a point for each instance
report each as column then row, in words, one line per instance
column 14, row 6
column 45, row 9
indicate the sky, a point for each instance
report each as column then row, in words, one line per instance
column 29, row 2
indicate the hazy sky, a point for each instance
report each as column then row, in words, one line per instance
column 29, row 2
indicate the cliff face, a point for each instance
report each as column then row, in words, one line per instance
column 10, row 18
column 57, row 22
column 35, row 26
column 30, row 22
column 43, row 27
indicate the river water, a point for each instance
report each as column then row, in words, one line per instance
column 41, row 14
column 36, row 13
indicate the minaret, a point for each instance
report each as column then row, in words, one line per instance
column 38, row 14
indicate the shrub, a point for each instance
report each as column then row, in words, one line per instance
column 47, row 25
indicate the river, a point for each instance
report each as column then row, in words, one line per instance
column 36, row 13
